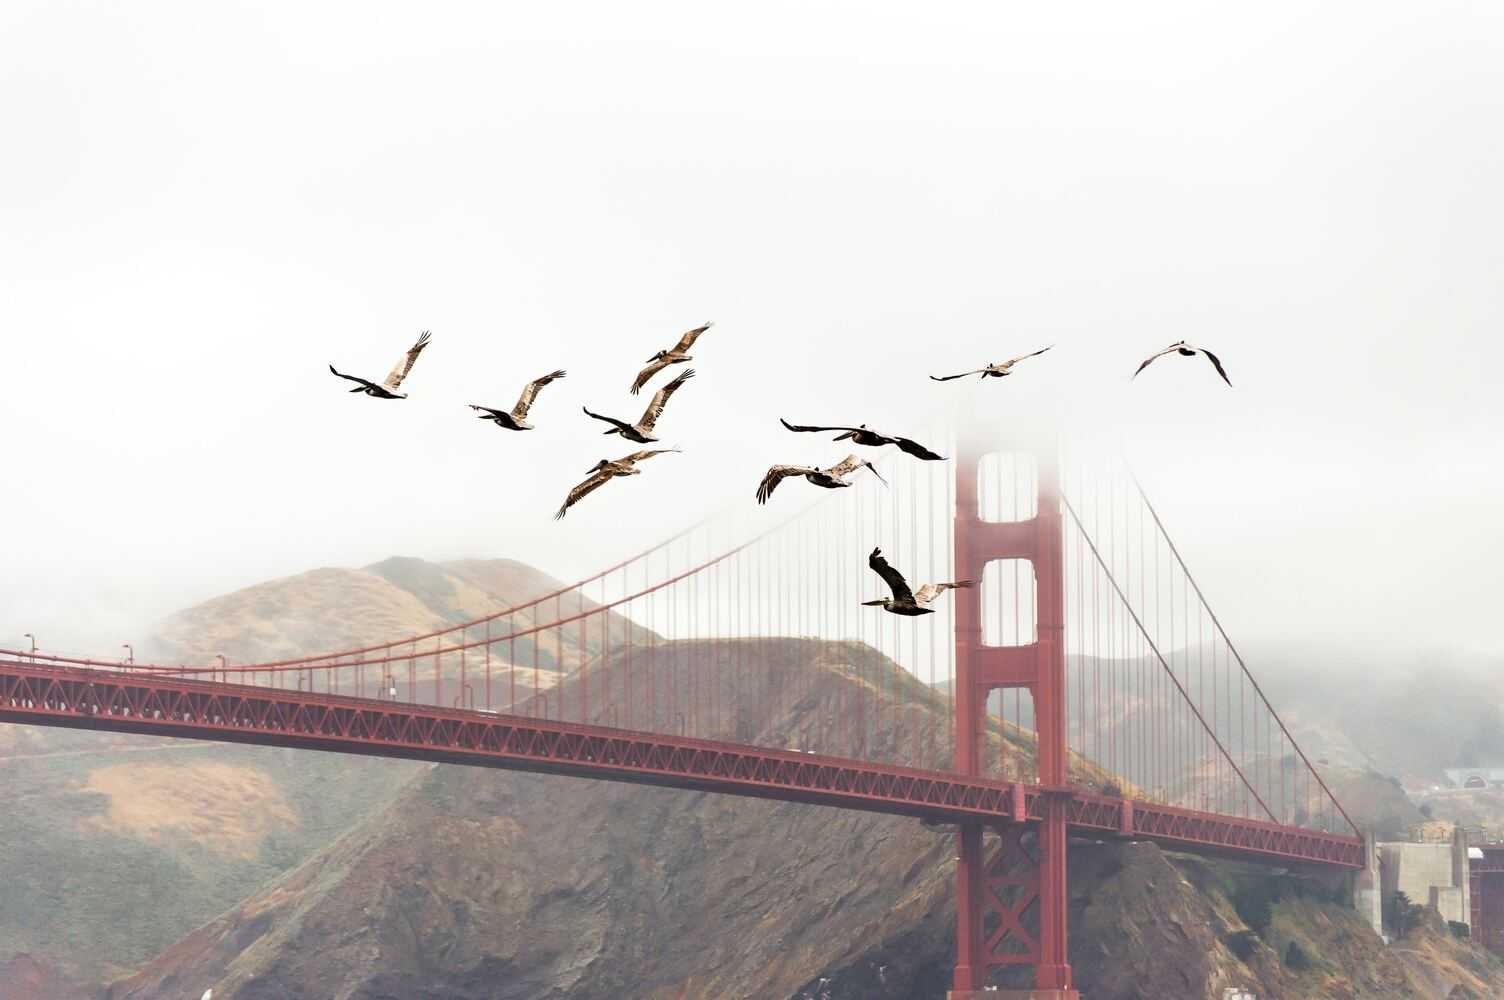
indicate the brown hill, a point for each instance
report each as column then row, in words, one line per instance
column 479, row 884
column 119, row 845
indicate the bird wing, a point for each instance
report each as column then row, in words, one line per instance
column 352, row 378
column 804, row 430
column 594, row 482
column 1217, row 364
column 1156, row 354
column 639, row 456
column 1032, row 354
column 618, row 424
column 930, row 591
column 653, row 368
column 911, row 447
column 530, row 393
column 845, row 467
column 405, row 363
column 778, row 474
column 893, row 578
column 690, row 336
column 948, row 378
column 655, row 408
column 850, row 464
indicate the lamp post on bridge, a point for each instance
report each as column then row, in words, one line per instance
column 33, row 639
column 130, row 654
column 224, row 671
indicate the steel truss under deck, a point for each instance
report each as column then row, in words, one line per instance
column 120, row 701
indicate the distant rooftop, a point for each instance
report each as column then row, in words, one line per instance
column 1475, row 777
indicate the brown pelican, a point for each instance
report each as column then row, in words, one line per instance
column 1186, row 350
column 388, row 388
column 905, row 601
column 642, row 431
column 604, row 471
column 832, row 478
column 673, row 356
column 861, row 435
column 993, row 371
column 515, row 420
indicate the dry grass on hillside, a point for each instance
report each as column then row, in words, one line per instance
column 228, row 808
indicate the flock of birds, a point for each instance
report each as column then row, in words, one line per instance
column 905, row 600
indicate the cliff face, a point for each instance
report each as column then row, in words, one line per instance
column 116, row 846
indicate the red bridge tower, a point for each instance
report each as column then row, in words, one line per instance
column 996, row 893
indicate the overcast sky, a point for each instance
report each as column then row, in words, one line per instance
column 203, row 205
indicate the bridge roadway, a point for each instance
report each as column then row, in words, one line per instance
column 154, row 704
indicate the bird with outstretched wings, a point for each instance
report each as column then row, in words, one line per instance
column 678, row 354
column 393, row 381
column 515, row 419
column 874, row 439
column 605, row 470
column 993, row 371
column 1188, row 351
column 830, row 479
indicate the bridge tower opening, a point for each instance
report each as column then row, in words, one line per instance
column 1011, row 896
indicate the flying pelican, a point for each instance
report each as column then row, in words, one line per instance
column 516, row 419
column 1186, row 350
column 861, row 435
column 832, row 478
column 642, row 431
column 604, row 471
column 388, row 388
column 905, row 601
column 993, row 371
column 673, row 356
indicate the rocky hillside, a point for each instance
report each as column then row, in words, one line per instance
column 480, row 884
column 119, row 845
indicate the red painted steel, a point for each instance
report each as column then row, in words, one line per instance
column 1486, row 888
column 123, row 702
column 126, row 702
column 1039, row 668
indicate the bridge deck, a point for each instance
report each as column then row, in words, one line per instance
column 121, row 701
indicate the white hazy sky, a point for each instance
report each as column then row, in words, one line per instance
column 203, row 205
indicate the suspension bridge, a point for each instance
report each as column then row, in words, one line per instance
column 1085, row 687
